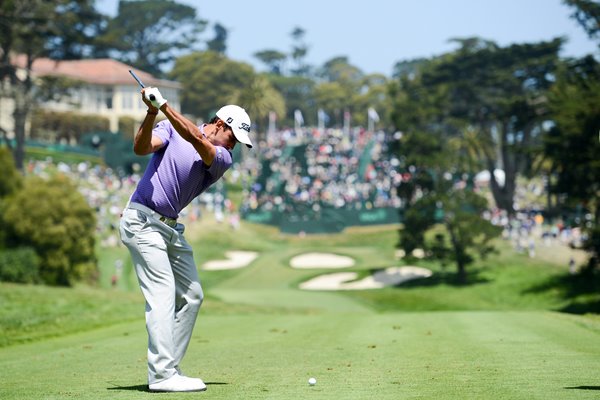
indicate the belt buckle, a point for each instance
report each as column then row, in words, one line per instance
column 168, row 221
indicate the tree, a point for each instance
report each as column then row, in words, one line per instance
column 408, row 68
column 587, row 13
column 299, row 94
column 259, row 98
column 372, row 93
column 299, row 52
column 149, row 34
column 34, row 29
column 449, row 226
column 416, row 106
column 60, row 228
column 499, row 93
column 75, row 36
column 442, row 216
column 219, row 42
column 420, row 113
column 333, row 98
column 340, row 89
column 573, row 145
column 209, row 80
column 273, row 59
column 339, row 69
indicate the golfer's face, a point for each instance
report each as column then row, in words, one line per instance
column 223, row 136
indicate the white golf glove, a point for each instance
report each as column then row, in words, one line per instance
column 153, row 96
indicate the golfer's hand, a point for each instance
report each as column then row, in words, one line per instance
column 147, row 102
column 153, row 95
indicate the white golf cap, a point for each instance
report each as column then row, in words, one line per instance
column 239, row 121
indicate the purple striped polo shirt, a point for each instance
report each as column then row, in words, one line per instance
column 176, row 173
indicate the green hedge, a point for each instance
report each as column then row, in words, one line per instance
column 65, row 125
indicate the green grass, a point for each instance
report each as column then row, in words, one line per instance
column 260, row 337
column 447, row 355
column 501, row 283
column 30, row 313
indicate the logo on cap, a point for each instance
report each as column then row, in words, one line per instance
column 245, row 127
column 229, row 120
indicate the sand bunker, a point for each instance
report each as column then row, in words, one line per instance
column 321, row 260
column 345, row 280
column 235, row 259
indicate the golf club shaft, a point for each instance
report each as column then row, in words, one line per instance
column 140, row 82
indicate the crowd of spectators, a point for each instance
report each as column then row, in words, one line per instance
column 299, row 173
column 530, row 232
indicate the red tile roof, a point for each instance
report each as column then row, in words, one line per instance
column 102, row 71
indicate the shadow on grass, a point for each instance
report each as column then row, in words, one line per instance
column 135, row 388
column 580, row 290
column 144, row 388
column 583, row 387
column 446, row 278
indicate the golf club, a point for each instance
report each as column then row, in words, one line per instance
column 140, row 82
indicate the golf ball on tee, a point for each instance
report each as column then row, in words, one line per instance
column 312, row 381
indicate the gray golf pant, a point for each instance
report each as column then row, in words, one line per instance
column 164, row 264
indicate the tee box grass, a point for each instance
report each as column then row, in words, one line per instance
column 259, row 337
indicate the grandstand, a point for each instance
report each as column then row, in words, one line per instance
column 325, row 182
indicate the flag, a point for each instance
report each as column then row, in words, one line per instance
column 347, row 118
column 372, row 118
column 272, row 121
column 322, row 115
column 272, row 116
column 322, row 119
column 298, row 118
column 373, row 114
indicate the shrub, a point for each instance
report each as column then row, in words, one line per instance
column 53, row 218
column 20, row 265
column 127, row 127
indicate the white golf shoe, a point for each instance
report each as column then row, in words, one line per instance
column 178, row 383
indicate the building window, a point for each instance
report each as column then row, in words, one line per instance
column 109, row 99
column 127, row 99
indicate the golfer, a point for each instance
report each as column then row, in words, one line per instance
column 187, row 159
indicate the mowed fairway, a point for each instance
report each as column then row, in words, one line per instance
column 486, row 355
column 259, row 337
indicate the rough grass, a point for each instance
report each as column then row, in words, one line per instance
column 30, row 313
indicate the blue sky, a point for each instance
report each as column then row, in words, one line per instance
column 375, row 34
